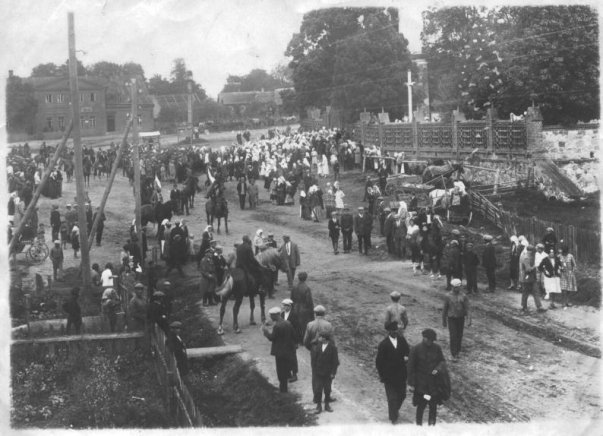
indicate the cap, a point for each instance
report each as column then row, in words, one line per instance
column 57, row 241
column 176, row 325
column 320, row 309
column 139, row 285
column 361, row 208
column 387, row 209
column 455, row 283
column 549, row 229
column 167, row 283
column 454, row 242
column 429, row 334
column 287, row 301
column 274, row 311
column 286, row 237
column 270, row 234
column 456, row 232
column 68, row 204
column 391, row 325
column 469, row 244
column 395, row 294
column 487, row 238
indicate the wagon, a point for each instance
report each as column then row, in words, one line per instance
column 415, row 195
column 396, row 183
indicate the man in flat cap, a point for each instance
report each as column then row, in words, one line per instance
column 392, row 355
column 175, row 343
column 303, row 305
column 456, row 309
column 428, row 375
column 363, row 224
column 396, row 312
column 290, row 254
column 528, row 270
column 470, row 264
column 57, row 257
column 288, row 315
column 489, row 262
column 282, row 337
column 319, row 325
column 347, row 228
column 137, row 309
column 324, row 361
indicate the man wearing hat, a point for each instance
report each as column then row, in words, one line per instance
column 470, row 264
column 55, row 221
column 489, row 263
column 453, row 263
column 456, row 309
column 392, row 355
column 428, row 375
column 288, row 315
column 175, row 343
column 303, row 305
column 158, row 311
column 283, row 345
column 74, row 312
column 396, row 312
column 290, row 254
column 324, row 361
column 528, row 270
column 334, row 228
column 347, row 228
column 319, row 325
column 363, row 224
column 56, row 257
column 101, row 225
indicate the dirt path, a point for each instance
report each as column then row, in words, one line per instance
column 505, row 374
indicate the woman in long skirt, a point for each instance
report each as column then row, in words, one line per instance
column 568, row 276
column 550, row 267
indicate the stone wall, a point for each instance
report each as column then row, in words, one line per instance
column 576, row 143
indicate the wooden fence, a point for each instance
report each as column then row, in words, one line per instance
column 585, row 244
column 180, row 404
column 113, row 343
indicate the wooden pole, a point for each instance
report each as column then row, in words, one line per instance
column 36, row 196
column 103, row 202
column 77, row 146
column 136, row 161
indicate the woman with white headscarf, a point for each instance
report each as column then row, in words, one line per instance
column 258, row 241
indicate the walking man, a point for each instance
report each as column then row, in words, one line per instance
column 303, row 306
column 392, row 356
column 56, row 256
column 252, row 191
column 470, row 264
column 324, row 361
column 55, row 222
column 489, row 263
column 456, row 309
column 362, row 227
column 242, row 191
column 347, row 228
column 528, row 275
column 288, row 315
column 74, row 312
column 282, row 337
column 290, row 254
column 334, row 229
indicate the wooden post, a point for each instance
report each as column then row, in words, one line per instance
column 79, row 166
column 136, row 160
column 36, row 196
column 124, row 141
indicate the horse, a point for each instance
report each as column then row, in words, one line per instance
column 157, row 214
column 191, row 187
column 217, row 207
column 434, row 171
column 235, row 284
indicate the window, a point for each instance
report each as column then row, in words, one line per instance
column 92, row 123
column 92, row 96
column 48, row 98
column 61, row 98
column 49, row 123
column 82, row 122
column 61, row 123
column 139, row 120
column 81, row 97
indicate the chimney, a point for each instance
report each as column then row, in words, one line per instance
column 10, row 73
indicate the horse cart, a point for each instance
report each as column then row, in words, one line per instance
column 397, row 182
column 34, row 247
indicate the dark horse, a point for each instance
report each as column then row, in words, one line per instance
column 157, row 214
column 217, row 207
column 239, row 285
column 191, row 187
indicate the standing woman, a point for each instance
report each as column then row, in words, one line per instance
column 550, row 267
column 339, row 196
column 258, row 241
column 568, row 276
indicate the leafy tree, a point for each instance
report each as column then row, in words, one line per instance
column 132, row 69
column 45, row 70
column 349, row 58
column 159, row 86
column 258, row 80
column 282, row 73
column 290, row 105
column 21, row 106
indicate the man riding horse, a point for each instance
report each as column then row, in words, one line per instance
column 248, row 263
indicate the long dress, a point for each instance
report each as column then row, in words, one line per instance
column 568, row 276
column 552, row 284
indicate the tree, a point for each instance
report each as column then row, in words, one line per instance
column 290, row 105
column 159, row 86
column 283, row 74
column 21, row 106
column 258, row 80
column 344, row 56
column 509, row 57
column 45, row 70
column 131, row 69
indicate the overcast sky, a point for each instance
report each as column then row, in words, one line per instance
column 215, row 37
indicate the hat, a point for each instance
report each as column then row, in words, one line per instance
column 387, row 209
column 320, row 309
column 361, row 208
column 286, row 237
column 549, row 229
column 539, row 245
column 270, row 234
column 469, row 244
column 487, row 238
column 167, row 283
column 68, row 204
column 456, row 232
column 139, row 285
column 176, row 325
column 454, row 242
column 429, row 334
column 391, row 325
column 455, row 283
column 327, row 335
column 395, row 294
column 274, row 311
column 287, row 301
column 57, row 241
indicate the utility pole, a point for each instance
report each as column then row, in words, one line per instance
column 409, row 84
column 79, row 166
column 189, row 84
column 136, row 162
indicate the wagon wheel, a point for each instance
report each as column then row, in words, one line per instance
column 390, row 189
column 37, row 253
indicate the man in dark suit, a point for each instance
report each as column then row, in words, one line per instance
column 282, row 337
column 324, row 361
column 55, row 221
column 290, row 254
column 489, row 262
column 347, row 228
column 175, row 343
column 392, row 356
column 363, row 224
column 334, row 229
column 288, row 315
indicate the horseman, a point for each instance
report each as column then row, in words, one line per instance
column 247, row 261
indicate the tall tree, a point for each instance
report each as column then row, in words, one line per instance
column 45, row 70
column 21, row 106
column 179, row 80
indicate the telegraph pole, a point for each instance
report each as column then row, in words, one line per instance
column 136, row 162
column 79, row 166
column 409, row 85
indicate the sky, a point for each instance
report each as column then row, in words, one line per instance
column 215, row 38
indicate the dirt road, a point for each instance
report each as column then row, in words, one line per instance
column 505, row 373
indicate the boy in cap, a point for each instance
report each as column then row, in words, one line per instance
column 392, row 355
column 324, row 361
column 426, row 360
column 282, row 337
column 456, row 309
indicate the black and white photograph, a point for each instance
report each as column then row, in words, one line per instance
column 319, row 216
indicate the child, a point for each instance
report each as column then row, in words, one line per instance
column 324, row 361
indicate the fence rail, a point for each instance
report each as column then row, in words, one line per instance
column 585, row 244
